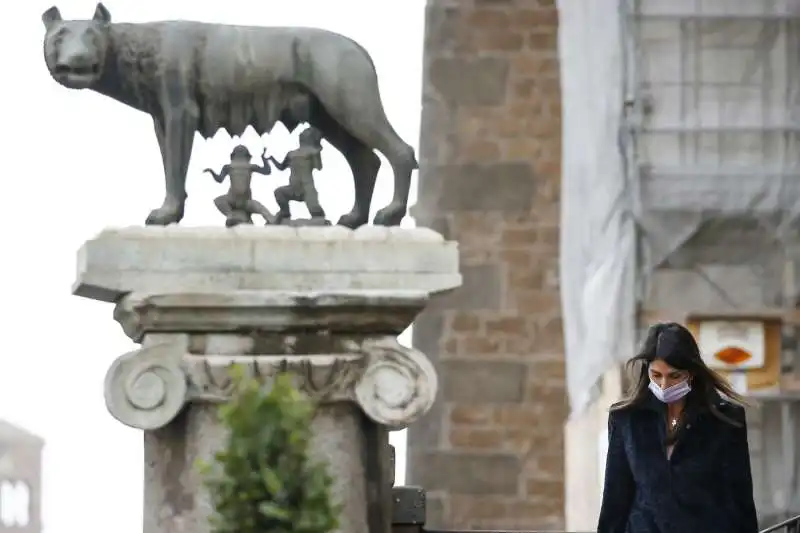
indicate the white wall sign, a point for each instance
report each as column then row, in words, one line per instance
column 15, row 503
column 732, row 345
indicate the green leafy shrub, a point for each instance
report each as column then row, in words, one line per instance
column 264, row 480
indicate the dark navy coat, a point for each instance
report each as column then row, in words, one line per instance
column 705, row 486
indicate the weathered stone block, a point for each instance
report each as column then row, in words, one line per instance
column 505, row 187
column 481, row 288
column 466, row 381
column 183, row 260
column 479, row 81
column 468, row 473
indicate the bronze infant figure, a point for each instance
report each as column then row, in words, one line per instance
column 238, row 204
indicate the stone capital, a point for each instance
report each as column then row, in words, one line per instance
column 393, row 385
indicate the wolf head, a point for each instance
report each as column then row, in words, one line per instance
column 75, row 50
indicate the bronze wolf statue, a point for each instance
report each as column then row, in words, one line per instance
column 197, row 77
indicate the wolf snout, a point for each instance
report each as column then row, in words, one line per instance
column 80, row 68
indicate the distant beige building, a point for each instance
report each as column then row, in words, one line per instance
column 20, row 480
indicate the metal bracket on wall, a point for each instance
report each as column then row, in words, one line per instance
column 408, row 508
column 638, row 108
column 647, row 103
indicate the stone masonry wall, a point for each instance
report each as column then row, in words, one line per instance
column 491, row 453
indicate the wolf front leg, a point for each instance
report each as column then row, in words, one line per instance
column 175, row 137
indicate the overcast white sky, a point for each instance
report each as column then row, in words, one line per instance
column 74, row 162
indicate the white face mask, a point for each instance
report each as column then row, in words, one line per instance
column 670, row 394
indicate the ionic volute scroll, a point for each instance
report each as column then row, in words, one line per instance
column 147, row 388
column 399, row 384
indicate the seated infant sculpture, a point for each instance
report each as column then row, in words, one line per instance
column 238, row 204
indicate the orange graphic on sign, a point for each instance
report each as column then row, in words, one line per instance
column 732, row 355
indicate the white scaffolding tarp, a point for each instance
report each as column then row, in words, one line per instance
column 597, row 231
column 676, row 114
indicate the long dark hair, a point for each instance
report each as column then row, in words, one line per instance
column 675, row 345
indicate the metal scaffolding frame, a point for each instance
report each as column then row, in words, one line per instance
column 711, row 133
column 688, row 121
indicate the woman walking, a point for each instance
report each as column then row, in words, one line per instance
column 678, row 459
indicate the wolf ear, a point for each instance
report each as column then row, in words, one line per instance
column 101, row 14
column 50, row 17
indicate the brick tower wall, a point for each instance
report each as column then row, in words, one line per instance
column 491, row 453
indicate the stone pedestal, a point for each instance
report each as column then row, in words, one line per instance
column 325, row 304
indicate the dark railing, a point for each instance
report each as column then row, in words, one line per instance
column 791, row 525
column 498, row 531
column 408, row 516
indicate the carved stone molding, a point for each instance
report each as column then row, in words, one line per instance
column 323, row 378
column 399, row 384
column 364, row 311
